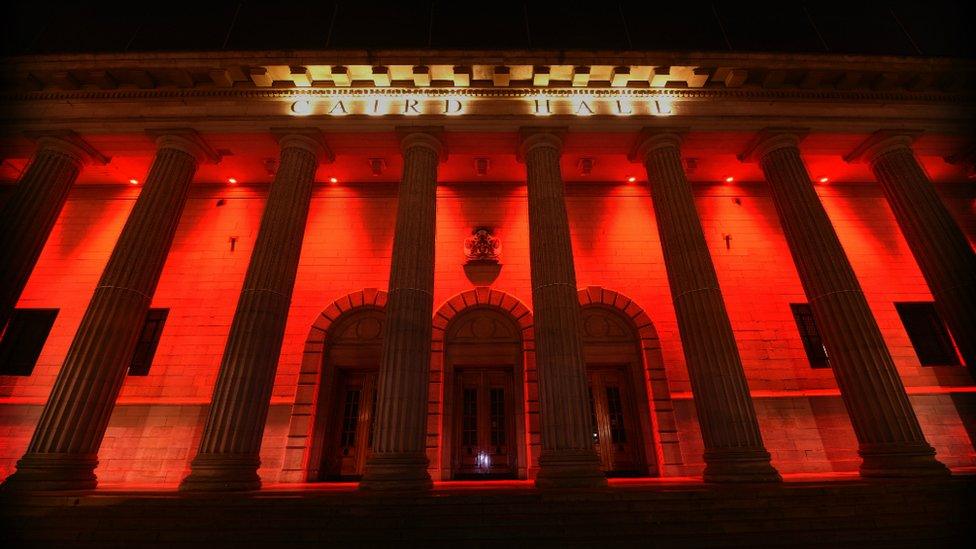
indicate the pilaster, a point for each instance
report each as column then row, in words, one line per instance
column 399, row 460
column 229, row 454
column 568, row 458
column 62, row 454
column 890, row 438
column 734, row 450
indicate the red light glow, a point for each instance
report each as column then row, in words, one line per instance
column 232, row 181
column 729, row 179
column 134, row 181
column 333, row 180
column 824, row 179
column 631, row 179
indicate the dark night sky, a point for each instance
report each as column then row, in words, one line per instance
column 931, row 28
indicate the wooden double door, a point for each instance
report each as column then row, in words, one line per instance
column 351, row 425
column 616, row 435
column 484, row 441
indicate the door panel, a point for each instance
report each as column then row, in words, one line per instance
column 351, row 426
column 614, row 422
column 484, row 424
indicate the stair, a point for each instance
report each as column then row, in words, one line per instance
column 856, row 513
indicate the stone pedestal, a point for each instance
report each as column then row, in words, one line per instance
column 734, row 450
column 941, row 249
column 63, row 451
column 890, row 439
column 568, row 458
column 399, row 458
column 229, row 453
column 30, row 212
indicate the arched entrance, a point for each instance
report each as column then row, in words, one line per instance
column 483, row 420
column 620, row 349
column 347, row 394
column 331, row 419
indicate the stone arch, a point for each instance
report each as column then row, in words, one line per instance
column 444, row 322
column 655, row 399
column 299, row 463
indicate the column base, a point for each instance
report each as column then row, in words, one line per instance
column 570, row 469
column 396, row 472
column 222, row 473
column 52, row 472
column 746, row 466
column 889, row 461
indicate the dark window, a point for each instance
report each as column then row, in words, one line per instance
column 23, row 340
column 615, row 413
column 812, row 342
column 497, row 417
column 469, row 419
column 927, row 333
column 350, row 420
column 148, row 339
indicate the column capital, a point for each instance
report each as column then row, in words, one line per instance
column 309, row 139
column 186, row 140
column 430, row 137
column 881, row 142
column 69, row 143
column 532, row 137
column 650, row 139
column 771, row 139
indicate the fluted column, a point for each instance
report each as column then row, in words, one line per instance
column 734, row 450
column 63, row 452
column 30, row 212
column 399, row 457
column 229, row 454
column 941, row 249
column 568, row 458
column 890, row 439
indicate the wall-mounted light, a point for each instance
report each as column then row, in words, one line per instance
column 232, row 181
column 824, row 179
column 631, row 179
column 133, row 181
column 729, row 179
column 585, row 165
column 481, row 166
column 377, row 166
column 333, row 180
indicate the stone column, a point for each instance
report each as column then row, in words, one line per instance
column 229, row 453
column 29, row 214
column 734, row 450
column 63, row 452
column 941, row 249
column 399, row 454
column 568, row 458
column 890, row 439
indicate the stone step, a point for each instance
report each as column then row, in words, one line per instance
column 858, row 514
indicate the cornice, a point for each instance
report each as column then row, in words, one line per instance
column 347, row 70
column 671, row 93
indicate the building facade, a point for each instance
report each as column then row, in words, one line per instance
column 223, row 271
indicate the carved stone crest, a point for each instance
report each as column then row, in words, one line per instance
column 482, row 246
column 482, row 251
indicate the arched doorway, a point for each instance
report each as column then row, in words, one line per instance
column 347, row 393
column 345, row 328
column 482, row 338
column 484, row 426
column 623, row 430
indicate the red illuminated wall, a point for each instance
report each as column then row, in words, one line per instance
column 158, row 420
